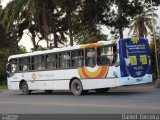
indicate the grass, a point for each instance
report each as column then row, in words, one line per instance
column 3, row 85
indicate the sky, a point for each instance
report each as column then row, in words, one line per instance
column 25, row 42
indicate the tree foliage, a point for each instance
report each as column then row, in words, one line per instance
column 152, row 48
column 9, row 46
column 143, row 23
column 80, row 19
column 4, row 54
column 38, row 16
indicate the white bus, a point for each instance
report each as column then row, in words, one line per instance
column 96, row 66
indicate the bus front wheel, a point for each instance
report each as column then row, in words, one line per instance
column 76, row 87
column 25, row 89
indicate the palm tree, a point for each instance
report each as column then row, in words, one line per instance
column 22, row 13
column 38, row 16
column 141, row 24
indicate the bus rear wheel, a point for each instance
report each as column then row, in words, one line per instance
column 24, row 88
column 76, row 87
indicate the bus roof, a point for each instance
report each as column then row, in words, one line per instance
column 100, row 43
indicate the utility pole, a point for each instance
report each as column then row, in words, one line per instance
column 157, row 83
column 119, row 4
column 118, row 22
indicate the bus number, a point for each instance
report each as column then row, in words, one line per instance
column 139, row 79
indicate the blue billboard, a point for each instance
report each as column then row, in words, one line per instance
column 134, row 57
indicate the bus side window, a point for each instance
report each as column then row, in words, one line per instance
column 13, row 63
column 109, row 55
column 49, row 62
column 101, row 56
column 74, row 58
column 77, row 58
column 90, row 57
column 114, row 54
column 36, row 63
column 24, row 64
column 52, row 61
column 80, row 58
column 56, row 61
column 64, row 59
column 106, row 55
column 39, row 62
column 32, row 66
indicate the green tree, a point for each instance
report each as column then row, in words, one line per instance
column 147, row 3
column 38, row 16
column 94, row 13
column 4, row 54
column 70, row 9
column 90, row 16
column 152, row 48
column 9, row 46
column 78, row 18
column 126, row 10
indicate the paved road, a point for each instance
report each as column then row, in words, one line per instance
column 132, row 99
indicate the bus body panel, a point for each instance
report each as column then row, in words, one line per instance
column 100, row 83
column 135, row 61
column 135, row 58
column 132, row 81
column 46, row 80
column 55, row 79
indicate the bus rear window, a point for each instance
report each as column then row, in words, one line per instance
column 106, row 55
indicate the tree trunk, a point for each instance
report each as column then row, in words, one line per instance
column 45, row 27
column 119, row 18
column 55, row 36
column 33, row 37
column 34, row 41
column 70, row 26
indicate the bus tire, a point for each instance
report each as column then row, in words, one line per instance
column 102, row 90
column 76, row 87
column 24, row 88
